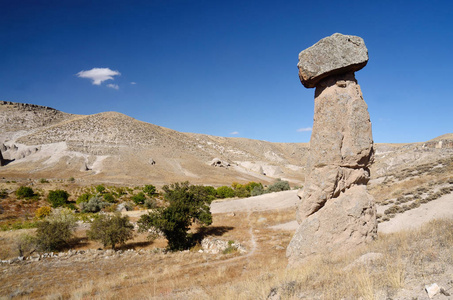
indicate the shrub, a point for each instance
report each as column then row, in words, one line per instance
column 94, row 205
column 109, row 198
column 241, row 192
column 85, row 197
column 187, row 204
column 43, row 212
column 56, row 231
column 43, row 180
column 139, row 198
column 278, row 186
column 251, row 185
column 51, row 236
column 257, row 190
column 149, row 189
column 100, row 188
column 25, row 192
column 111, row 230
column 3, row 194
column 58, row 198
column 225, row 192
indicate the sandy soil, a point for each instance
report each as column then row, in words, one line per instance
column 437, row 209
column 281, row 200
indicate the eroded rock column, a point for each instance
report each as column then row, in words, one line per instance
column 335, row 211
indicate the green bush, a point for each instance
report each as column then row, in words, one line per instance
column 100, row 188
column 187, row 204
column 278, row 186
column 225, row 192
column 56, row 231
column 43, row 180
column 109, row 198
column 93, row 205
column 85, row 197
column 111, row 230
column 58, row 198
column 25, row 192
column 149, row 189
column 139, row 198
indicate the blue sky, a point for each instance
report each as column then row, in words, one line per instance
column 227, row 68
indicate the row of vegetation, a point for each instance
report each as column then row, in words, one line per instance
column 184, row 205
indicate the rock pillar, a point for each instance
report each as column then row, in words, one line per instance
column 335, row 211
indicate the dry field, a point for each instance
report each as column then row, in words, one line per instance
column 398, row 267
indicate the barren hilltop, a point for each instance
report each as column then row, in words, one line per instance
column 42, row 142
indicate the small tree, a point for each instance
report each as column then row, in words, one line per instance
column 187, row 204
column 25, row 192
column 111, row 230
column 58, row 198
column 225, row 192
column 56, row 231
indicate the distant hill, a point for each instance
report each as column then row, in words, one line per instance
column 41, row 142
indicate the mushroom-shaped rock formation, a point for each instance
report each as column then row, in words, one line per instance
column 335, row 211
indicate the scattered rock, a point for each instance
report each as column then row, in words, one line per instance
column 335, row 211
column 432, row 290
column 220, row 163
column 215, row 246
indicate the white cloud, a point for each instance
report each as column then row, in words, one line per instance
column 113, row 86
column 234, row 132
column 98, row 75
column 304, row 129
column 133, row 82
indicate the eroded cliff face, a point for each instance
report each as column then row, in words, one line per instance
column 336, row 211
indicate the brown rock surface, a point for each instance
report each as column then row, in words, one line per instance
column 335, row 54
column 336, row 211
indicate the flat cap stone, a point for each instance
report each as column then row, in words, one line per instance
column 332, row 55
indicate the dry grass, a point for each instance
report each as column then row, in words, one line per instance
column 409, row 261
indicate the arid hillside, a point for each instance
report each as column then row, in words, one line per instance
column 41, row 142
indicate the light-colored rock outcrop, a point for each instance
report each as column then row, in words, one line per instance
column 335, row 211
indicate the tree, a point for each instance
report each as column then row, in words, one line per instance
column 225, row 192
column 186, row 204
column 111, row 230
column 58, row 198
column 25, row 192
